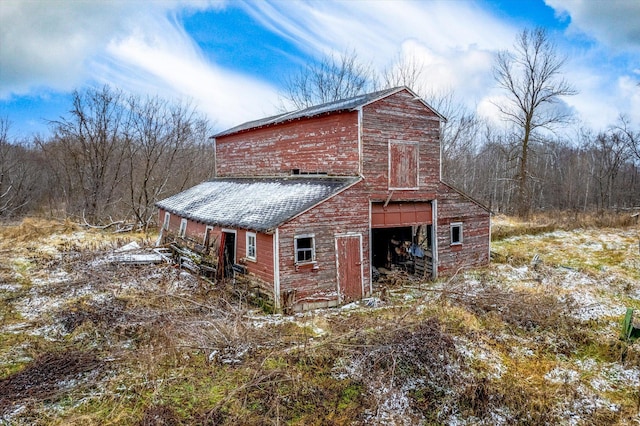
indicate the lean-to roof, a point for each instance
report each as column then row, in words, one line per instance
column 260, row 204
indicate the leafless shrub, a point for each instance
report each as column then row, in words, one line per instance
column 543, row 313
column 44, row 379
column 160, row 415
column 106, row 313
column 420, row 360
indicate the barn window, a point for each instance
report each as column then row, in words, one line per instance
column 403, row 165
column 456, row 233
column 183, row 228
column 251, row 246
column 305, row 248
column 167, row 219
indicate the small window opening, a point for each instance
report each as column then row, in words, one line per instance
column 251, row 246
column 298, row 172
column 167, row 220
column 183, row 228
column 305, row 249
column 456, row 233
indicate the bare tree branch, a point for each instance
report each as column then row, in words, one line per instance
column 531, row 78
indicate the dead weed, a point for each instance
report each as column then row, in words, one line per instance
column 47, row 378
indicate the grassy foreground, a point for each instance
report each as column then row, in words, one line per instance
column 532, row 339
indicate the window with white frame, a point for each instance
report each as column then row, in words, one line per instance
column 251, row 246
column 183, row 228
column 456, row 233
column 305, row 248
column 167, row 220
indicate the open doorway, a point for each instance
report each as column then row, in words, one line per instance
column 226, row 254
column 404, row 248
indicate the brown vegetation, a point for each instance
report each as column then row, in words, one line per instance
column 89, row 341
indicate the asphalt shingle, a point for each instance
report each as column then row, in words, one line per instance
column 260, row 204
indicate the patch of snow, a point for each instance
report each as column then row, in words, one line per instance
column 478, row 352
column 55, row 277
column 590, row 307
column 561, row 375
column 585, row 403
column 10, row 287
column 315, row 330
column 128, row 247
column 349, row 306
column 259, row 321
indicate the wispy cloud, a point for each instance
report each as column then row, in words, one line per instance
column 614, row 23
column 141, row 47
column 144, row 48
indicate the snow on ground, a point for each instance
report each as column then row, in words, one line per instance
column 599, row 272
column 599, row 275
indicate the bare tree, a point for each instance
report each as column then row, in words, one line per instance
column 89, row 151
column 331, row 79
column 20, row 174
column 163, row 137
column 406, row 71
column 531, row 78
column 459, row 139
column 609, row 152
column 631, row 136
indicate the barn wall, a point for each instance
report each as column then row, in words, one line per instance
column 262, row 267
column 322, row 144
column 330, row 144
column 400, row 118
column 474, row 250
column 316, row 285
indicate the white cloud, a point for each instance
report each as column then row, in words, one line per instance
column 46, row 44
column 378, row 28
column 140, row 47
column 454, row 41
column 615, row 23
column 165, row 60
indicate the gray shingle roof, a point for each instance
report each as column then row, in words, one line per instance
column 260, row 204
column 335, row 106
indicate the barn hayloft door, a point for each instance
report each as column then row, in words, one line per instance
column 349, row 267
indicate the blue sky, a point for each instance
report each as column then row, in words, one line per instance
column 230, row 58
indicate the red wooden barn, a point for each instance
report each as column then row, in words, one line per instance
column 315, row 204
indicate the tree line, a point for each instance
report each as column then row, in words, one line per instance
column 110, row 159
column 538, row 159
column 114, row 155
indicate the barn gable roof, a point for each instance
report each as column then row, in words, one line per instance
column 260, row 204
column 350, row 104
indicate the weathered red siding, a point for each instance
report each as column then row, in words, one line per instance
column 316, row 285
column 262, row 267
column 400, row 214
column 323, row 144
column 400, row 118
column 474, row 250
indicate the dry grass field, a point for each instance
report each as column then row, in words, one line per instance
column 532, row 339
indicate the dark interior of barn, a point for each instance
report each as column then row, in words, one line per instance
column 400, row 248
